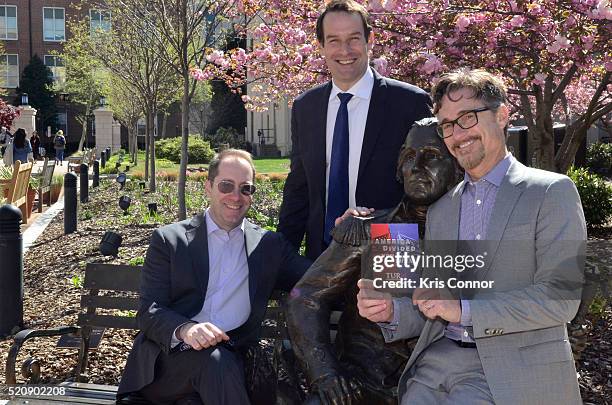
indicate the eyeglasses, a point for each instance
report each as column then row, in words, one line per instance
column 466, row 120
column 226, row 187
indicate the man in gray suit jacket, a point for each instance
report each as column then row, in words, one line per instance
column 205, row 286
column 508, row 345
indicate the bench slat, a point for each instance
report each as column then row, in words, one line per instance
column 108, row 321
column 116, row 277
column 121, row 303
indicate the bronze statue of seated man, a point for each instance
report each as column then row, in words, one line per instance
column 360, row 368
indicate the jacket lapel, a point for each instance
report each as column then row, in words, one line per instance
column 509, row 192
column 198, row 250
column 252, row 237
column 374, row 122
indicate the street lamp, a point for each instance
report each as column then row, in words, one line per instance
column 102, row 101
column 24, row 99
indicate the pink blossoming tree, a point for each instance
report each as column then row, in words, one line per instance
column 554, row 55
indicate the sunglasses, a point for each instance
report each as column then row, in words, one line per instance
column 226, row 187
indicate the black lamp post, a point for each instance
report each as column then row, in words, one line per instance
column 24, row 99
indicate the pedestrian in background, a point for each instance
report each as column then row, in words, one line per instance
column 59, row 144
column 35, row 142
column 22, row 149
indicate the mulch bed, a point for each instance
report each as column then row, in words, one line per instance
column 53, row 266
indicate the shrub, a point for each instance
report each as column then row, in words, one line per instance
column 596, row 196
column 198, row 150
column 226, row 135
column 599, row 158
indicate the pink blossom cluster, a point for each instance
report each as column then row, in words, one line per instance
column 532, row 43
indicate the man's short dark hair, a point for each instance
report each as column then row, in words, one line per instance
column 213, row 166
column 484, row 85
column 346, row 6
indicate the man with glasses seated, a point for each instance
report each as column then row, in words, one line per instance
column 205, row 287
column 508, row 345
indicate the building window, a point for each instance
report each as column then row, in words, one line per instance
column 54, row 27
column 56, row 64
column 8, row 22
column 62, row 122
column 99, row 20
column 141, row 128
column 9, row 71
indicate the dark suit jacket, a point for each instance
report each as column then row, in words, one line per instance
column 394, row 107
column 174, row 283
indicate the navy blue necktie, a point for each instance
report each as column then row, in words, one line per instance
column 338, row 187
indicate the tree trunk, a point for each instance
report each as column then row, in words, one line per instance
column 130, row 144
column 574, row 135
column 83, row 134
column 135, row 142
column 146, row 146
column 152, row 180
column 182, row 210
column 543, row 137
column 164, row 124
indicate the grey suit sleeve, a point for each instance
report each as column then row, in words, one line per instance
column 560, row 236
column 409, row 321
column 154, row 317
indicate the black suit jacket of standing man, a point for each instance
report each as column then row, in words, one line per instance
column 394, row 107
column 174, row 283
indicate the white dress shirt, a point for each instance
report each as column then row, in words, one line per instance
column 358, row 107
column 226, row 304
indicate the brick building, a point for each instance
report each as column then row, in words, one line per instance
column 38, row 27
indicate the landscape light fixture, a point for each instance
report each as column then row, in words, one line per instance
column 143, row 185
column 152, row 208
column 124, row 203
column 121, row 179
column 24, row 99
column 109, row 245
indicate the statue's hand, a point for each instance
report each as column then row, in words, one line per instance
column 337, row 389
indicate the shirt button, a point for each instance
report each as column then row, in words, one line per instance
column 478, row 237
column 478, row 202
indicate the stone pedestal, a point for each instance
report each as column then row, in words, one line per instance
column 106, row 134
column 116, row 136
column 26, row 120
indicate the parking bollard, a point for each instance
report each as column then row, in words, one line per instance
column 70, row 203
column 11, row 270
column 84, row 182
column 103, row 159
column 96, row 174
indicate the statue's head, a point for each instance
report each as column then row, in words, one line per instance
column 425, row 165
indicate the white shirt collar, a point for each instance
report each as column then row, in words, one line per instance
column 211, row 225
column 361, row 89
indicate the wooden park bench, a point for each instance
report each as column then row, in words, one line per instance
column 88, row 156
column 120, row 285
column 16, row 188
column 44, row 187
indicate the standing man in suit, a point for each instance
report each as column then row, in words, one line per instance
column 346, row 133
column 508, row 345
column 205, row 286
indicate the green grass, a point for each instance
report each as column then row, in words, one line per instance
column 276, row 165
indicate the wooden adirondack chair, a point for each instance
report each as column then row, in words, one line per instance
column 17, row 188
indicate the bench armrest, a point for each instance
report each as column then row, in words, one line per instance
column 22, row 337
